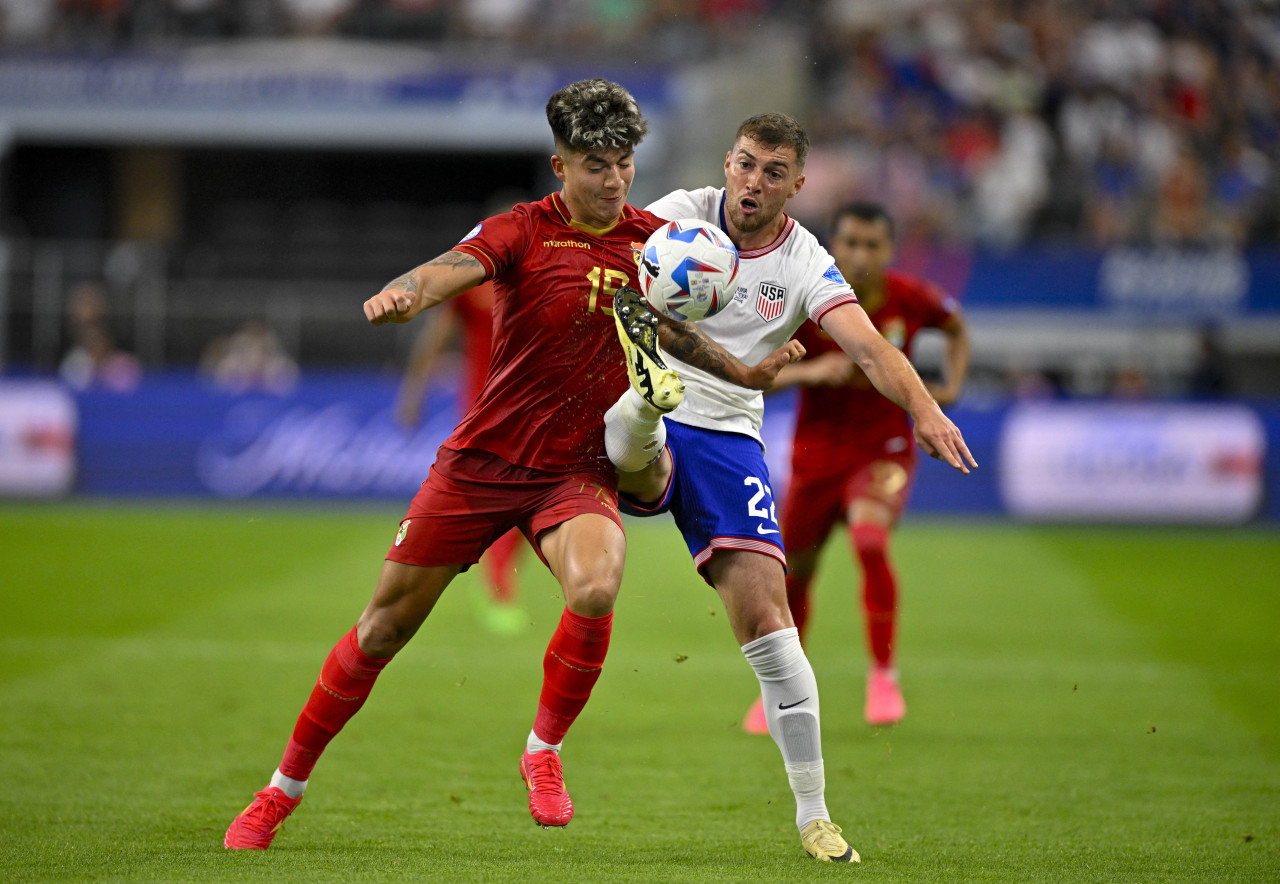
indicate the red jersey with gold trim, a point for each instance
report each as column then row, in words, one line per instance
column 556, row 363
column 835, row 425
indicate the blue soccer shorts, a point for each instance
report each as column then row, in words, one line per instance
column 719, row 494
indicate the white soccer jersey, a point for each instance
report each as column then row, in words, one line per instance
column 780, row 285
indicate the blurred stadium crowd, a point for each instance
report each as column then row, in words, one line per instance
column 993, row 122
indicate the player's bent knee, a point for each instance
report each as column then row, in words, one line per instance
column 380, row 636
column 759, row 624
column 595, row 598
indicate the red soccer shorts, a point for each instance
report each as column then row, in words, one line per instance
column 472, row 497
column 817, row 501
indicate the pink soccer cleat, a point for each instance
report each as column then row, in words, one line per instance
column 258, row 823
column 884, row 698
column 549, row 801
column 755, row 722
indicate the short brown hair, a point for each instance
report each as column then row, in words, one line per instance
column 864, row 211
column 595, row 114
column 775, row 130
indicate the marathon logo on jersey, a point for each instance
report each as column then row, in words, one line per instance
column 769, row 301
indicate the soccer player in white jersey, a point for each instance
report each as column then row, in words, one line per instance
column 709, row 468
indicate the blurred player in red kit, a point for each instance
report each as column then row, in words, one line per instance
column 853, row 460
column 467, row 322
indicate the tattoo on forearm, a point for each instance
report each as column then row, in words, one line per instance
column 409, row 281
column 404, row 283
column 690, row 346
column 452, row 259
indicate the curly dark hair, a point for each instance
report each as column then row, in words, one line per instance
column 595, row 114
column 775, row 130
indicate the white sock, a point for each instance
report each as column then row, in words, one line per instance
column 533, row 744
column 634, row 432
column 790, row 694
column 288, row 785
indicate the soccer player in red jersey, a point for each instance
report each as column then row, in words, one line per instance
column 468, row 320
column 853, row 458
column 529, row 454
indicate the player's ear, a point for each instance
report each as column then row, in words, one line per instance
column 796, row 187
column 557, row 165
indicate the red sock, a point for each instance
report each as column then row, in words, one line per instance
column 798, row 600
column 569, row 671
column 879, row 590
column 499, row 561
column 344, row 684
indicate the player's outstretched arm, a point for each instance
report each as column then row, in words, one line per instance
column 424, row 287
column 893, row 375
column 686, row 342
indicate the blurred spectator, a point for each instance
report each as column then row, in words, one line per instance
column 93, row 360
column 251, row 359
column 1179, row 214
column 1239, row 183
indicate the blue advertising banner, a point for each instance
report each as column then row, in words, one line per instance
column 335, row 437
column 332, row 436
column 1151, row 283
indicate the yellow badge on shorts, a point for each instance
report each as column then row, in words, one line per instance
column 404, row 529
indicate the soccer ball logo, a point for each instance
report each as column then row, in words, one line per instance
column 688, row 269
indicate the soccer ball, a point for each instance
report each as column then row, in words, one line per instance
column 688, row 270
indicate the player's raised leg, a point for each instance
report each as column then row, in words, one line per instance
column 751, row 587
column 586, row 555
column 404, row 597
column 657, row 385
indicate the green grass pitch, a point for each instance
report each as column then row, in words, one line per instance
column 1085, row 704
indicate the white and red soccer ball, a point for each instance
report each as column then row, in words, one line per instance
column 688, row 270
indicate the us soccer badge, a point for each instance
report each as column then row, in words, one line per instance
column 769, row 301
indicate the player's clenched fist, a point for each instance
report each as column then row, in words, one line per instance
column 389, row 305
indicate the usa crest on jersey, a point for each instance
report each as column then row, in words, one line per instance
column 769, row 301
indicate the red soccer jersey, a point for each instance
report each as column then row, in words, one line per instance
column 556, row 363
column 836, row 424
